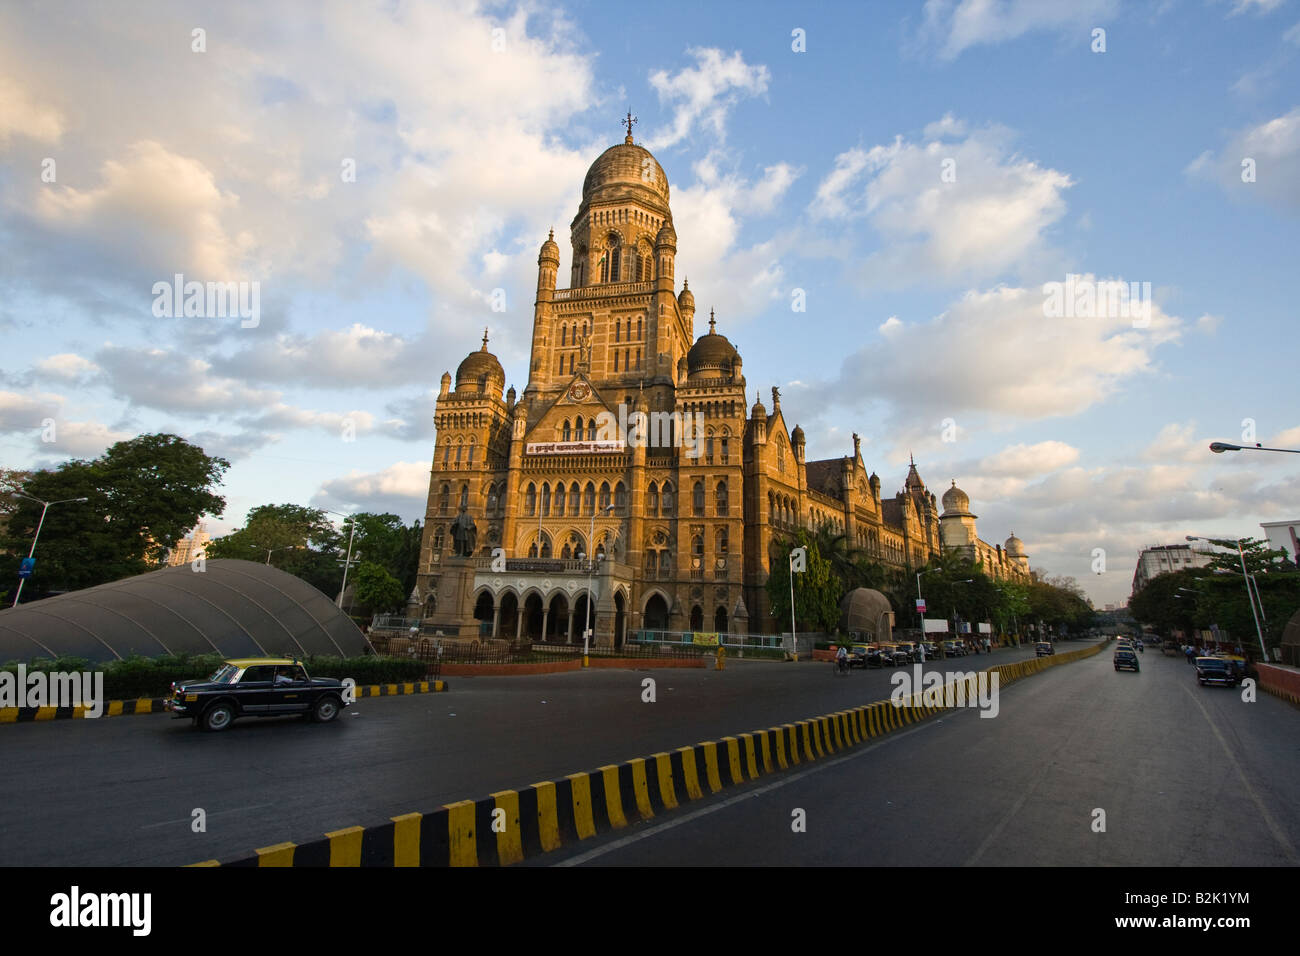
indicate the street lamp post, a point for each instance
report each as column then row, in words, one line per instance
column 351, row 519
column 591, row 566
column 45, row 506
column 1241, row 556
column 920, row 601
column 1219, row 447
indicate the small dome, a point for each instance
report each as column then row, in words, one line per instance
column 712, row 353
column 550, row 251
column 796, row 436
column 865, row 611
column 758, row 411
column 686, row 300
column 667, row 236
column 626, row 170
column 1014, row 546
column 481, row 371
column 956, row 501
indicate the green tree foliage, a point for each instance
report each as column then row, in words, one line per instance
column 377, row 590
column 384, row 540
column 301, row 541
column 817, row 591
column 143, row 496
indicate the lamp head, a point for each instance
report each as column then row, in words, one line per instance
column 1219, row 447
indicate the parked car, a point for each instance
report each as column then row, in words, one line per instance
column 1044, row 649
column 1215, row 670
column 1126, row 659
column 931, row 650
column 256, row 687
column 894, row 656
column 858, row 655
column 909, row 649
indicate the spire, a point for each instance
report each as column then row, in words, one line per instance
column 629, row 122
column 711, row 322
column 484, row 348
column 551, row 235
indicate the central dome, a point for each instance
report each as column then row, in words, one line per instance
column 626, row 169
column 711, row 354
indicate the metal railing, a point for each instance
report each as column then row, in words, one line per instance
column 707, row 639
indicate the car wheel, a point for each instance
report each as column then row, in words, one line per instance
column 218, row 717
column 326, row 709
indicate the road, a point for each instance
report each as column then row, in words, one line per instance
column 122, row 791
column 1185, row 775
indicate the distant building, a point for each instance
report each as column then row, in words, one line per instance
column 1164, row 558
column 187, row 549
column 1284, row 535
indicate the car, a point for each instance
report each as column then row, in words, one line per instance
column 909, row 649
column 858, row 655
column 1126, row 659
column 931, row 650
column 1044, row 649
column 1215, row 670
column 1140, row 646
column 256, row 687
column 954, row 649
column 894, row 656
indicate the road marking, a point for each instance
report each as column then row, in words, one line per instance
column 787, row 778
column 1278, row 834
column 168, row 823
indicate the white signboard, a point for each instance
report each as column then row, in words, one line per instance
column 986, row 628
column 573, row 447
column 936, row 627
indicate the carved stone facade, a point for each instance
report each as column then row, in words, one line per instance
column 634, row 433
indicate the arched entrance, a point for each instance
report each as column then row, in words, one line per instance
column 508, row 623
column 697, row 618
column 720, row 621
column 483, row 614
column 533, row 618
column 656, row 613
column 620, row 618
column 557, row 625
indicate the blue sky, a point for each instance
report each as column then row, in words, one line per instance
column 819, row 171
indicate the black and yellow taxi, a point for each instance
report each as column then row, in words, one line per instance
column 257, row 687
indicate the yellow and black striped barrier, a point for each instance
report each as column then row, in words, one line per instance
column 154, row 705
column 512, row 825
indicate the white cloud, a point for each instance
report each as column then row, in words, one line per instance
column 1028, row 461
column 333, row 358
column 1257, row 6
column 1178, row 442
column 67, row 367
column 83, row 439
column 990, row 217
column 957, row 25
column 402, row 488
column 1274, row 148
column 22, row 115
column 705, row 93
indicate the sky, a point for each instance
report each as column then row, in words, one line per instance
column 875, row 198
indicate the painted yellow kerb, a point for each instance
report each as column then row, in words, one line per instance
column 613, row 797
column 690, row 777
column 345, row 846
column 510, row 847
column 406, row 839
column 548, row 821
column 462, row 847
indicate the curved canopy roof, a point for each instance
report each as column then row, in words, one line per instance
column 232, row 608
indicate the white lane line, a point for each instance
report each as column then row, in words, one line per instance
column 1278, row 833
column 656, row 828
column 218, row 813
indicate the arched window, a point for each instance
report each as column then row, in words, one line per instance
column 438, row 538
column 697, row 498
column 724, row 449
column 665, row 562
column 471, row 453
column 638, row 330
column 493, row 500
column 618, row 330
column 459, row 449
column 530, row 499
column 464, row 496
column 561, row 369
column 780, row 457
column 575, row 497
column 546, row 500
column 446, row 455
column 720, row 542
column 591, row 429
column 721, row 499
column 649, row 562
column 604, row 495
column 616, row 360
column 444, row 497
column 652, row 500
column 708, row 447
column 638, row 358
column 589, row 498
column 566, row 434
column 559, row 499
column 620, row 498
column 666, row 500
column 564, row 334
column 697, row 551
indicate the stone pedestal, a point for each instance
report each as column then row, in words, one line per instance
column 455, row 613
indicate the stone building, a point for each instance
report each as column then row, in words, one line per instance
column 634, row 440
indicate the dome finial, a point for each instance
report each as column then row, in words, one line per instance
column 485, row 332
column 629, row 123
column 551, row 234
column 712, row 321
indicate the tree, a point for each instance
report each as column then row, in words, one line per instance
column 301, row 541
column 378, row 590
column 816, row 591
column 383, row 539
column 143, row 496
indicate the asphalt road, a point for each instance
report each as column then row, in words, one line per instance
column 122, row 791
column 1186, row 776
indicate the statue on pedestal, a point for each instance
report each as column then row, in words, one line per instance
column 464, row 534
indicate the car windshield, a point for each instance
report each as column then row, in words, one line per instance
column 225, row 674
column 1212, row 665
